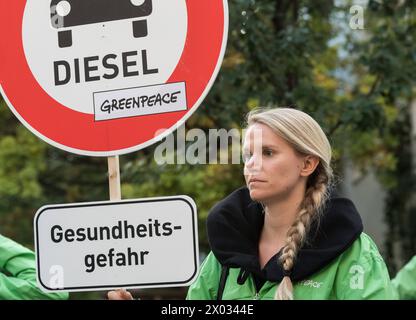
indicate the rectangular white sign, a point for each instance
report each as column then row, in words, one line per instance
column 140, row 101
column 143, row 243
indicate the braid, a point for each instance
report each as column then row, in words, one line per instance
column 311, row 207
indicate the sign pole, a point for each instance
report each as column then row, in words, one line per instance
column 114, row 178
column 115, row 189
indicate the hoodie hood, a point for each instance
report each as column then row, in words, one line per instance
column 234, row 226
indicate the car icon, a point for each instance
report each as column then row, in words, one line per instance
column 71, row 13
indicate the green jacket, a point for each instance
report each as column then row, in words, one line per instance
column 405, row 281
column 337, row 261
column 358, row 273
column 18, row 274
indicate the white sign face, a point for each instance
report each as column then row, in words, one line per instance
column 82, row 66
column 132, row 102
column 143, row 243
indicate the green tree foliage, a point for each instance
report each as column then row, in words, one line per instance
column 390, row 56
column 33, row 174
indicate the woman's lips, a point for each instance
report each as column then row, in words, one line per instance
column 251, row 181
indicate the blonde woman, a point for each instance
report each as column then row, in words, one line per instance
column 284, row 236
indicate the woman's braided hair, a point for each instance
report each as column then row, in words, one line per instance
column 306, row 137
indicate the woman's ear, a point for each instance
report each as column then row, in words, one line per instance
column 309, row 165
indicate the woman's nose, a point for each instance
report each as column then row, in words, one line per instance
column 253, row 165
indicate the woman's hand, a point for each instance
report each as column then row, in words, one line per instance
column 119, row 294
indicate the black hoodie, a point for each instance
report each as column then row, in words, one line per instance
column 235, row 223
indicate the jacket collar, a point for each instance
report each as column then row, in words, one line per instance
column 235, row 223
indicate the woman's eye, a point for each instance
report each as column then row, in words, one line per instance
column 268, row 152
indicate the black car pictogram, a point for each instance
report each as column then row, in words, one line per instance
column 72, row 13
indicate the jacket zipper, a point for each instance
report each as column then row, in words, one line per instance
column 256, row 296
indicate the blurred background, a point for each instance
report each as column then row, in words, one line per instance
column 350, row 64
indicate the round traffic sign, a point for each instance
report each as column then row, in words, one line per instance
column 104, row 77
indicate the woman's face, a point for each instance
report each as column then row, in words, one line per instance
column 273, row 169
